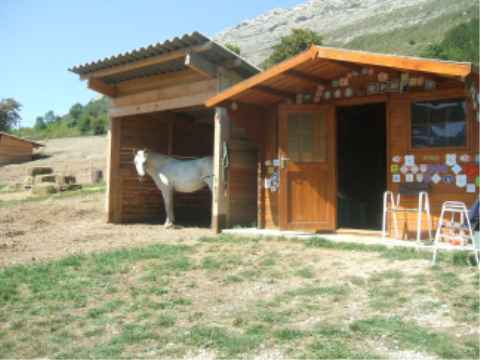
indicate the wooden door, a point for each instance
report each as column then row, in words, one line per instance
column 308, row 172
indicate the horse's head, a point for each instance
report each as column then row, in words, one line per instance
column 140, row 161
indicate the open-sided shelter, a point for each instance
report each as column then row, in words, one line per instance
column 14, row 149
column 157, row 102
column 336, row 128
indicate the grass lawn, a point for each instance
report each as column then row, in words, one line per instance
column 237, row 297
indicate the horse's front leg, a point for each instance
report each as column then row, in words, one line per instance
column 167, row 193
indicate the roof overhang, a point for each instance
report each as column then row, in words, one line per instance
column 319, row 65
column 194, row 52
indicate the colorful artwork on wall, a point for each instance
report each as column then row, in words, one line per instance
column 451, row 159
column 471, row 188
column 461, row 181
column 436, row 178
column 465, row 158
column 373, row 88
column 410, row 160
column 448, row 179
column 397, row 159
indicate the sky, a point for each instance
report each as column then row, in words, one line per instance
column 41, row 39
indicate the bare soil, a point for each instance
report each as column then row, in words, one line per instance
column 76, row 156
column 55, row 228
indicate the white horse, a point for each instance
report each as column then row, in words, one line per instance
column 170, row 175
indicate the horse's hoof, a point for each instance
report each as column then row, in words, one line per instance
column 169, row 226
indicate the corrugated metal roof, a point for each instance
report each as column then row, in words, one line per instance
column 216, row 54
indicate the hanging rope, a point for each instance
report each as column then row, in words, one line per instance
column 225, row 165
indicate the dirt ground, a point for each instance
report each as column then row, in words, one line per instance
column 69, row 156
column 54, row 228
column 287, row 299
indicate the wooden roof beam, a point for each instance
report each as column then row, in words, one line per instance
column 159, row 59
column 101, row 87
column 275, row 92
column 403, row 63
column 201, row 65
column 255, row 80
column 314, row 80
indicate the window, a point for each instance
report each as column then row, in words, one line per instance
column 439, row 123
column 307, row 137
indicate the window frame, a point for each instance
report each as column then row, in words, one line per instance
column 430, row 149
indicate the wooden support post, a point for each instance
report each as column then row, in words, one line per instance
column 113, row 172
column 220, row 194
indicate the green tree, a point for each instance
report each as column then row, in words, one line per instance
column 234, row 48
column 299, row 40
column 99, row 125
column 461, row 43
column 40, row 123
column 9, row 114
column 74, row 114
column 50, row 117
column 85, row 124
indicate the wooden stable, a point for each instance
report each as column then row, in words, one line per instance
column 16, row 150
column 157, row 102
column 336, row 128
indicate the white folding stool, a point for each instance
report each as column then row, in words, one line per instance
column 392, row 206
column 455, row 231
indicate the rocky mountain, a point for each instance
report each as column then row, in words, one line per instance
column 393, row 26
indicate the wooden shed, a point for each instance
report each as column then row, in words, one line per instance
column 337, row 128
column 14, row 149
column 158, row 96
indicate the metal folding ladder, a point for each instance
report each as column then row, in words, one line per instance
column 453, row 231
column 390, row 205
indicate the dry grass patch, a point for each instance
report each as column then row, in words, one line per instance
column 228, row 297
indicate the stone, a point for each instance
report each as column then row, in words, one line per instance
column 44, row 189
column 46, row 179
column 28, row 182
column 39, row 170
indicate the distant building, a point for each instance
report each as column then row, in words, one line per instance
column 14, row 149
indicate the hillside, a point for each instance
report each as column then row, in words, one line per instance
column 402, row 27
column 68, row 156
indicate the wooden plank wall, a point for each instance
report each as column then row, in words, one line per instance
column 398, row 127
column 399, row 140
column 242, row 183
column 245, row 147
column 165, row 133
column 14, row 151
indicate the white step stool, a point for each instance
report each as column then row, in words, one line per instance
column 452, row 231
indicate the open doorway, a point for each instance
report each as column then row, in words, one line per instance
column 362, row 165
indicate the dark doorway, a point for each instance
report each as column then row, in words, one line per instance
column 362, row 165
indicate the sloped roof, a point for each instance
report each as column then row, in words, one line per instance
column 214, row 52
column 35, row 144
column 320, row 63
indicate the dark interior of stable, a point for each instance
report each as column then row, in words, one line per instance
column 189, row 136
column 193, row 137
column 362, row 165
